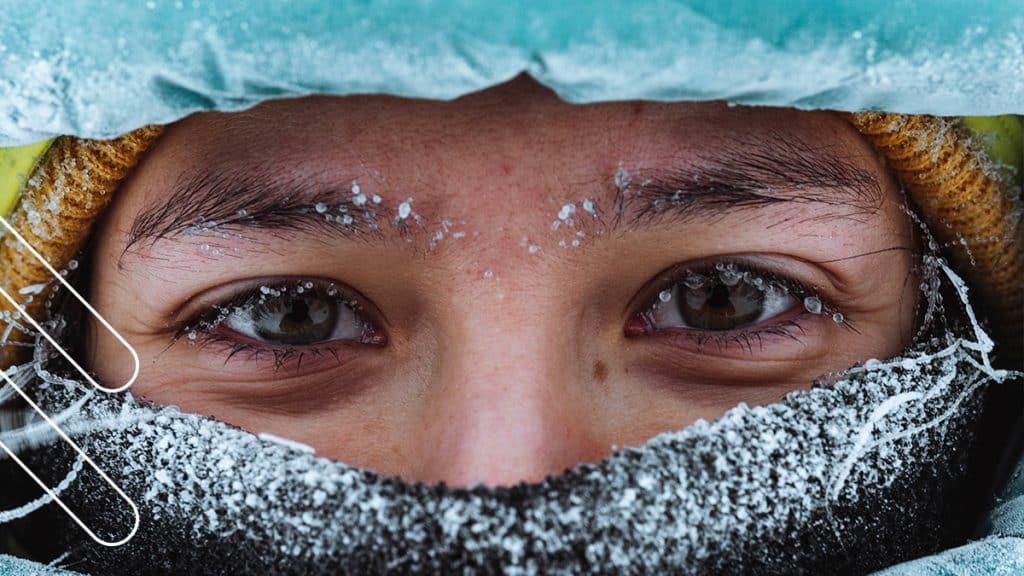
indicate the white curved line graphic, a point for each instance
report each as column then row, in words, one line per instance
column 135, row 509
column 97, row 385
column 95, row 314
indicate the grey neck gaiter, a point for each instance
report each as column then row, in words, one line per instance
column 851, row 475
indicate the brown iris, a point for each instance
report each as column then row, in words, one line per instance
column 297, row 319
column 718, row 306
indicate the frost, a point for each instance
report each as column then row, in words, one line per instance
column 26, row 509
column 694, row 281
column 812, row 304
column 622, row 179
column 746, row 492
column 33, row 289
column 404, row 210
column 728, row 274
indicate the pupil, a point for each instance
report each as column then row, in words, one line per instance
column 721, row 307
column 297, row 320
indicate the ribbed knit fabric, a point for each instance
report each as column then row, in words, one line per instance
column 71, row 186
column 965, row 205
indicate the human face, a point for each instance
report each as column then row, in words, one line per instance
column 496, row 288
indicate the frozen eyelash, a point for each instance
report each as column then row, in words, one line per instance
column 731, row 272
column 202, row 329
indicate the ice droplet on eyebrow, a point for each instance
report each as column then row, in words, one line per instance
column 404, row 210
column 812, row 304
column 622, row 178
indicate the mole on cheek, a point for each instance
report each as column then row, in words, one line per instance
column 600, row 371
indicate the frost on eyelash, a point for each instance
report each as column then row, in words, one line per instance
column 730, row 274
column 267, row 294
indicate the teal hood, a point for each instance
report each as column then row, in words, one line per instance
column 100, row 68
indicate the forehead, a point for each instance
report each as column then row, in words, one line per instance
column 527, row 124
column 514, row 141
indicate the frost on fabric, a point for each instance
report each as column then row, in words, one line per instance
column 102, row 69
column 844, row 474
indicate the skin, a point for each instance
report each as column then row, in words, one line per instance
column 501, row 363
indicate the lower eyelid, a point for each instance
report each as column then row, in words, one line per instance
column 229, row 350
column 751, row 342
column 793, row 326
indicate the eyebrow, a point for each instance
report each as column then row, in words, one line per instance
column 769, row 169
column 741, row 174
column 241, row 198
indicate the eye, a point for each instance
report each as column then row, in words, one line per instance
column 721, row 299
column 296, row 317
column 294, row 314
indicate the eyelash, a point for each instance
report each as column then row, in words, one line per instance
column 201, row 330
column 742, row 337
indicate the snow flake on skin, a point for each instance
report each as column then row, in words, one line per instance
column 446, row 231
column 571, row 221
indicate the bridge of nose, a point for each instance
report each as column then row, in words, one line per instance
column 507, row 402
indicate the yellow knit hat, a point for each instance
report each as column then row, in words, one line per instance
column 71, row 183
column 947, row 170
column 971, row 207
